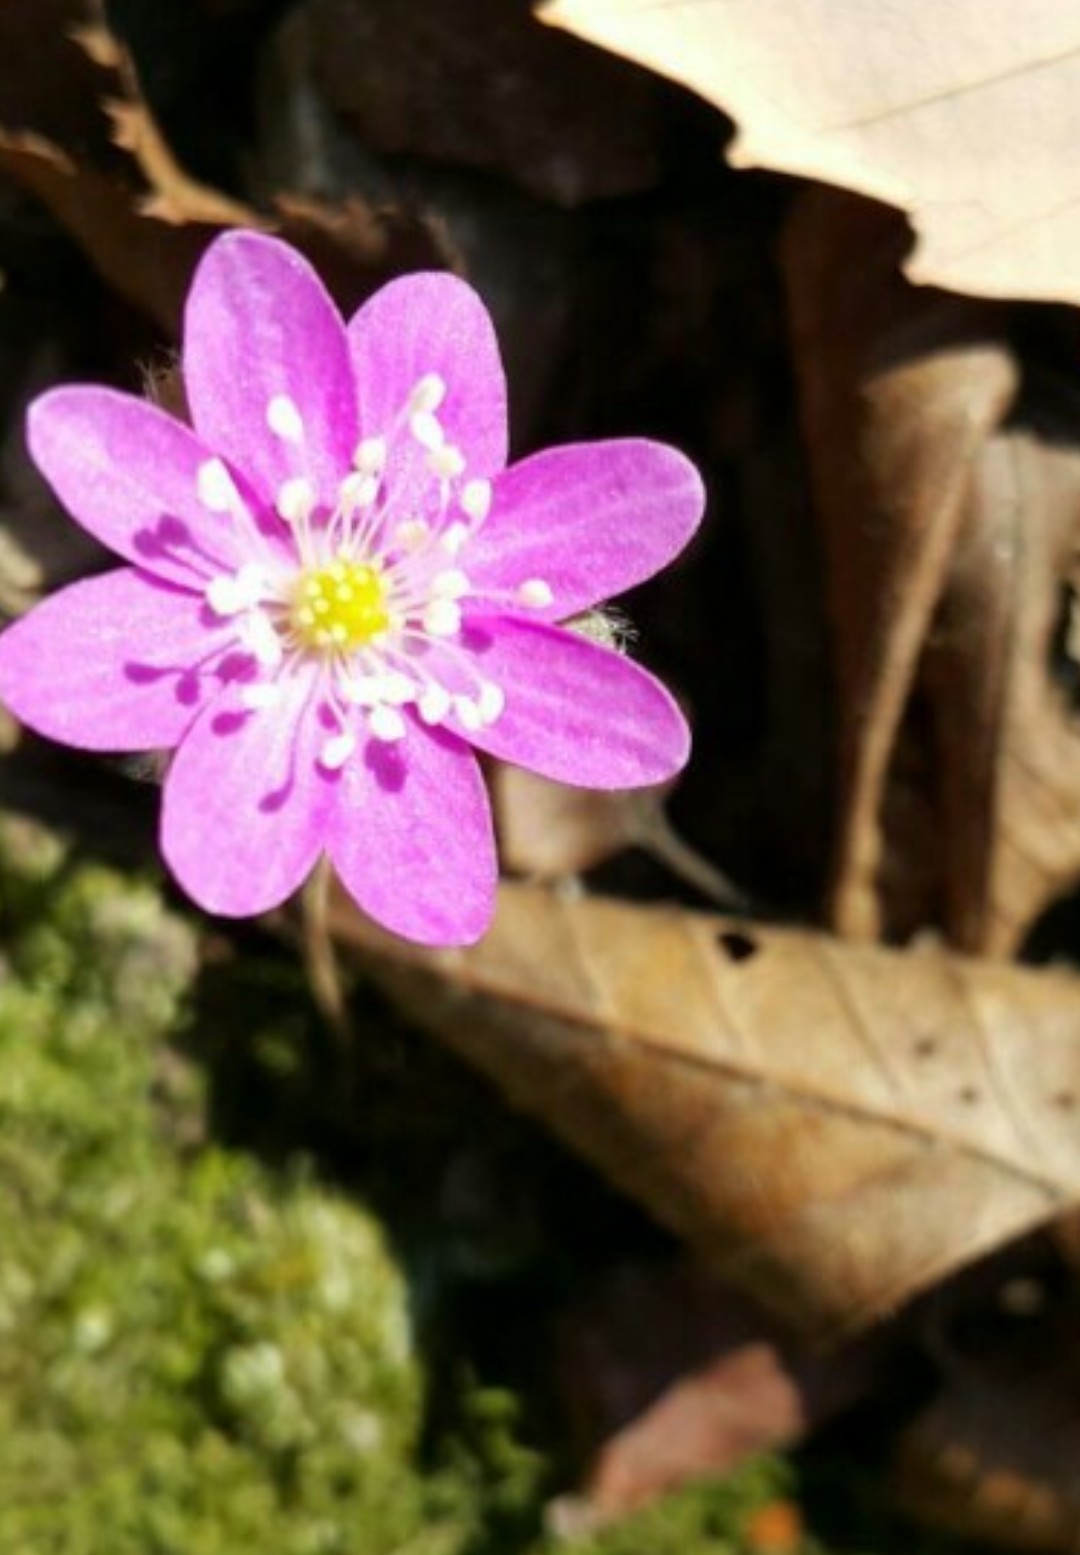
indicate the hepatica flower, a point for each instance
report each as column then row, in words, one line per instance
column 338, row 592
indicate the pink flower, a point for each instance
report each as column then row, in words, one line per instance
column 338, row 589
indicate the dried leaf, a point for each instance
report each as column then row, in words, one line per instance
column 833, row 1126
column 948, row 543
column 964, row 115
column 997, row 1457
column 670, row 1377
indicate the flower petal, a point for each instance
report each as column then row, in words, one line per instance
column 112, row 663
column 412, row 838
column 414, row 327
column 245, row 806
column 574, row 712
column 265, row 348
column 129, row 474
column 589, row 519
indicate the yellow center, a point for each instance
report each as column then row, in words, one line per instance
column 340, row 606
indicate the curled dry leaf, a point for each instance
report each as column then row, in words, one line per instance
column 835, row 1127
column 965, row 115
column 996, row 1458
column 106, row 171
column 670, row 1376
column 949, row 538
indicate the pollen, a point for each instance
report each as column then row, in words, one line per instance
column 338, row 607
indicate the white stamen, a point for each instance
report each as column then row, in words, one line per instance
column 258, row 636
column 283, row 419
column 386, row 723
column 259, row 696
column 358, row 490
column 427, row 429
column 446, row 462
column 412, row 534
column 361, row 691
column 442, row 618
column 215, row 487
column 434, row 704
column 454, row 537
column 370, row 455
column 468, row 714
column 490, row 702
column 336, row 752
column 228, row 595
column 451, row 584
column 535, row 593
column 296, row 499
column 475, row 499
column 429, row 393
column 397, row 688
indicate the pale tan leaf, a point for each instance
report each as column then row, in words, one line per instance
column 966, row 115
column 834, row 1126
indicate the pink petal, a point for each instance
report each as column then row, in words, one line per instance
column 412, row 838
column 112, row 663
column 420, row 325
column 246, row 803
column 575, row 712
column 128, row 473
column 590, row 520
column 260, row 330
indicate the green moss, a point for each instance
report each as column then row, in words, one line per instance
column 195, row 1354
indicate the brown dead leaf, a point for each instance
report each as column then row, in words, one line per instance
column 965, row 115
column 948, row 542
column 671, row 1376
column 997, row 1457
column 835, row 1127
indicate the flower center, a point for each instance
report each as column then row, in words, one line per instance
column 339, row 607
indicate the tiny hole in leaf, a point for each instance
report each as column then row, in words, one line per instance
column 739, row 946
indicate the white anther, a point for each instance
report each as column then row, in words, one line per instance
column 361, row 690
column 468, row 714
column 386, row 723
column 358, row 490
column 535, row 593
column 370, row 456
column 258, row 636
column 397, row 688
column 336, row 752
column 490, row 702
column 283, row 419
column 232, row 593
column 451, row 584
column 412, row 534
column 454, row 537
column 446, row 462
column 442, row 618
column 428, row 394
column 426, row 427
column 475, row 499
column 215, row 487
column 434, row 705
column 259, row 696
column 296, row 499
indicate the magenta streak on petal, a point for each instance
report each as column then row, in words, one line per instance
column 411, row 838
column 128, row 473
column 246, row 802
column 260, row 325
column 110, row 664
column 415, row 326
column 575, row 712
column 589, row 519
